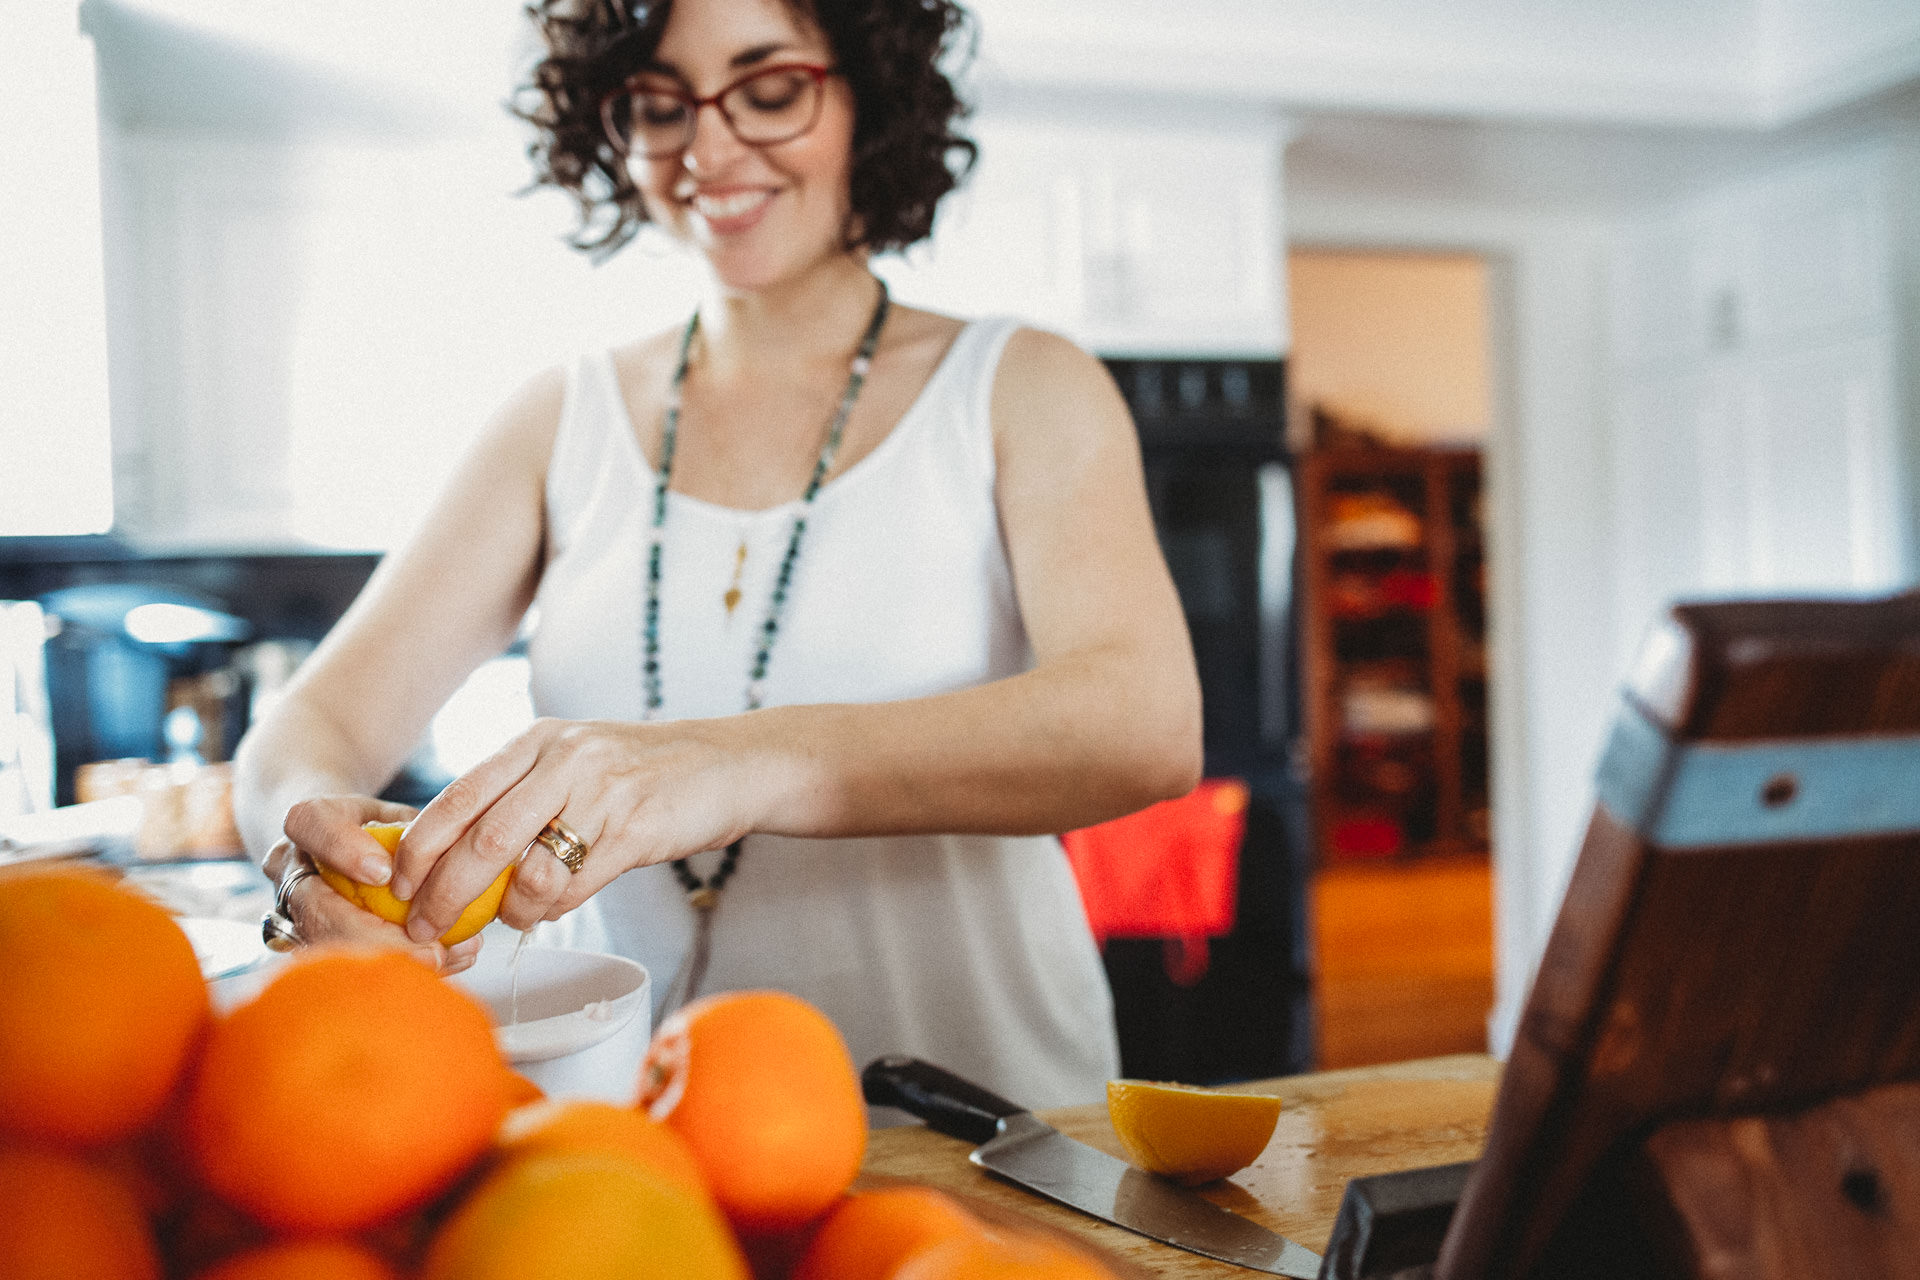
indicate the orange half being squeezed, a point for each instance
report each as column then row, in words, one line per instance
column 379, row 899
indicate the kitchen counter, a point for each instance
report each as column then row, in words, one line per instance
column 1335, row 1125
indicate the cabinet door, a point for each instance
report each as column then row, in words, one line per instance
column 213, row 277
column 1663, row 278
column 1823, row 474
column 1821, row 253
column 1758, row 476
column 1007, row 242
column 1756, row 433
column 1131, row 240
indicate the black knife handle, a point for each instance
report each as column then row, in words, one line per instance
column 958, row 1108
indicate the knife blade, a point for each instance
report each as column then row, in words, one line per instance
column 1018, row 1146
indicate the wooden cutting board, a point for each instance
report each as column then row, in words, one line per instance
column 1334, row 1125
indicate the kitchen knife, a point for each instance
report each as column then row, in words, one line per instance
column 1020, row 1147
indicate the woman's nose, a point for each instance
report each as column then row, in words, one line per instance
column 713, row 145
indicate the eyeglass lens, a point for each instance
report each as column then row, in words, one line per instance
column 775, row 105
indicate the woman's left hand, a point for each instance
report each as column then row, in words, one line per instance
column 635, row 794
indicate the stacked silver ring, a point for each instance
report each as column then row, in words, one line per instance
column 558, row 839
column 276, row 927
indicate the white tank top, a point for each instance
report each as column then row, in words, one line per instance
column 971, row 951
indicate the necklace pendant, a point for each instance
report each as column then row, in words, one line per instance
column 704, row 899
column 732, row 596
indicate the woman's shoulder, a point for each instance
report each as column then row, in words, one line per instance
column 533, row 413
column 1025, row 350
column 1037, row 359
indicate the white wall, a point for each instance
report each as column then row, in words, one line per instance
column 1396, row 342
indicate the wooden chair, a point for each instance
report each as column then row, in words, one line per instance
column 1717, row 1072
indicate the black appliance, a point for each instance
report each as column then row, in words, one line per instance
column 1212, row 436
column 107, row 687
column 114, row 651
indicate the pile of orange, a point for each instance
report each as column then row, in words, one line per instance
column 355, row 1121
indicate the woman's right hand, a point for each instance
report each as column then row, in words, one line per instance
column 330, row 830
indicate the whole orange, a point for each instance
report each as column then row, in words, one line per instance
column 583, row 1215
column 354, row 1086
column 760, row 1085
column 379, row 899
column 100, row 1009
column 870, row 1233
column 579, row 1124
column 67, row 1218
column 1000, row 1256
column 302, row 1260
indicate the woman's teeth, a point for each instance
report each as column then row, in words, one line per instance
column 722, row 207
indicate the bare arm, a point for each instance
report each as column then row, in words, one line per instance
column 430, row 614
column 1106, row 721
column 1108, row 718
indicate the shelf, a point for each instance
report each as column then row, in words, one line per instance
column 1394, row 656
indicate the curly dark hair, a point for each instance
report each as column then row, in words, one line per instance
column 907, row 152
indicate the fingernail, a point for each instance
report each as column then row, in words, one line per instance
column 376, row 873
column 419, row 930
column 401, row 888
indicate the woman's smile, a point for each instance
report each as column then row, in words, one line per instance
column 728, row 211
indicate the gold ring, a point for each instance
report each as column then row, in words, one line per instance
column 559, row 840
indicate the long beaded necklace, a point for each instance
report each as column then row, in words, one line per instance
column 704, row 895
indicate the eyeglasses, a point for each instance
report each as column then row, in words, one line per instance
column 773, row 104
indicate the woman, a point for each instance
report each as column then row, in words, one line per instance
column 820, row 580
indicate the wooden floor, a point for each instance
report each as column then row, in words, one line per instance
column 1404, row 960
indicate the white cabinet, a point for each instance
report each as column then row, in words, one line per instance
column 313, row 329
column 1760, row 440
column 1132, row 239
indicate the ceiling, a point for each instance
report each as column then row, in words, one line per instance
column 1535, row 101
column 1754, row 64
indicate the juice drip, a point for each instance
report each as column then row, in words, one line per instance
column 513, row 971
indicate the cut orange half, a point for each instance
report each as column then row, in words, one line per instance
column 1189, row 1134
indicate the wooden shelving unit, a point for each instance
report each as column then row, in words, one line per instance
column 1393, row 644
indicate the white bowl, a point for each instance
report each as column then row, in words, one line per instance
column 584, row 1017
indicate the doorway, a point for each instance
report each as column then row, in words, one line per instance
column 1392, row 401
